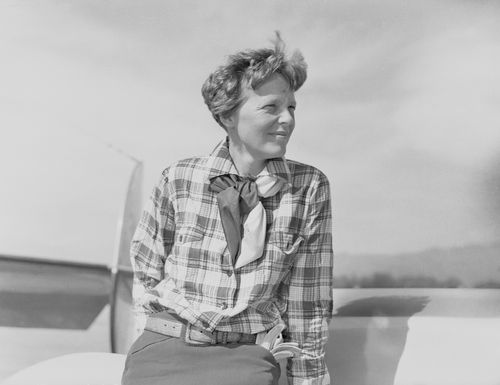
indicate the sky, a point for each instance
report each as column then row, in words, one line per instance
column 400, row 110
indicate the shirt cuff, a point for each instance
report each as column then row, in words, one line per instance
column 323, row 380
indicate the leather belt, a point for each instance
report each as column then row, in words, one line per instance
column 170, row 325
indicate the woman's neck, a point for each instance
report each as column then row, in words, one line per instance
column 245, row 163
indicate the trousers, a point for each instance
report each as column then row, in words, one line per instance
column 156, row 359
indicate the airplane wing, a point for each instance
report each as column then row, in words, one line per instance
column 47, row 293
column 38, row 293
column 121, row 315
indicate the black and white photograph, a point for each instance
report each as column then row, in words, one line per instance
column 268, row 192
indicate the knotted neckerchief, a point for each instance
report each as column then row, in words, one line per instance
column 243, row 216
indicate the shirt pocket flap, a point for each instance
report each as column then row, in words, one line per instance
column 287, row 242
column 188, row 234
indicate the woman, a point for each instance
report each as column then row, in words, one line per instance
column 236, row 246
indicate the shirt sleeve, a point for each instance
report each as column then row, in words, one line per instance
column 150, row 245
column 309, row 293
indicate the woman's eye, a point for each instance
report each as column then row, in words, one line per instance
column 292, row 108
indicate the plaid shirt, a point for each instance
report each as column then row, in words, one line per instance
column 178, row 258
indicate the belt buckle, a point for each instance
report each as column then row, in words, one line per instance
column 189, row 340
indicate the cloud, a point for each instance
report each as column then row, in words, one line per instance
column 451, row 108
column 401, row 100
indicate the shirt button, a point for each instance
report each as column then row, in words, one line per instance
column 229, row 273
column 223, row 306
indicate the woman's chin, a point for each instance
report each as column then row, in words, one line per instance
column 274, row 151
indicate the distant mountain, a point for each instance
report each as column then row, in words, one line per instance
column 467, row 266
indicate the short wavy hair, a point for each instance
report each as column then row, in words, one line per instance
column 222, row 91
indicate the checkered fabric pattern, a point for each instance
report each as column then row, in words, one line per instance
column 180, row 258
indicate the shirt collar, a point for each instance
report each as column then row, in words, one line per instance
column 220, row 163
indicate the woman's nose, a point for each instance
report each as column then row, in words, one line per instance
column 286, row 117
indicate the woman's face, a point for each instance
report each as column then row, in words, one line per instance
column 263, row 123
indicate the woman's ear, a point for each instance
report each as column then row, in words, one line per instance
column 229, row 121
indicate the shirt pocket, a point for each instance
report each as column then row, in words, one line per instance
column 189, row 234
column 288, row 243
column 193, row 242
column 282, row 247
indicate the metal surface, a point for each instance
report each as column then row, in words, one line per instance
column 72, row 369
column 121, row 315
column 415, row 337
column 36, row 293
